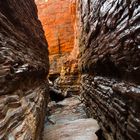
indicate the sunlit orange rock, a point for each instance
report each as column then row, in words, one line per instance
column 58, row 20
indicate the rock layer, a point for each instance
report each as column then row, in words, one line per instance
column 60, row 23
column 110, row 58
column 58, row 20
column 115, row 104
column 111, row 38
column 68, row 81
column 23, row 70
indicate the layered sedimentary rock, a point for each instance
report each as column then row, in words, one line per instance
column 110, row 64
column 115, row 104
column 23, row 70
column 60, row 23
column 58, row 20
column 68, row 81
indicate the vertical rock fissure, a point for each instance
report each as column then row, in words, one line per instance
column 107, row 69
column 104, row 75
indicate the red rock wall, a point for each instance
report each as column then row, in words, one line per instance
column 58, row 20
column 23, row 70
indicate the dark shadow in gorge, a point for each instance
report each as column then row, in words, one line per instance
column 100, row 135
column 53, row 77
column 55, row 95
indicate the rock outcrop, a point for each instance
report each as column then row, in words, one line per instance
column 23, row 70
column 115, row 104
column 110, row 64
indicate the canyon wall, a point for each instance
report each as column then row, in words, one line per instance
column 23, row 70
column 58, row 19
column 60, row 23
column 69, row 78
column 110, row 65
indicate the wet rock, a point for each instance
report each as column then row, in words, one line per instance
column 110, row 38
column 23, row 70
column 110, row 64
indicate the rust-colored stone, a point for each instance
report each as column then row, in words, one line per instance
column 58, row 20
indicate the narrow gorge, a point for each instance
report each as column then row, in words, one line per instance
column 69, row 70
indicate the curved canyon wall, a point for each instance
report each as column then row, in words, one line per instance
column 110, row 64
column 24, row 66
column 60, row 23
column 58, row 20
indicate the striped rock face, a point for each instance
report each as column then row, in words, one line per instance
column 23, row 69
column 110, row 64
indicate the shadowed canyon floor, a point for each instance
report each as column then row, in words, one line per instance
column 68, row 121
